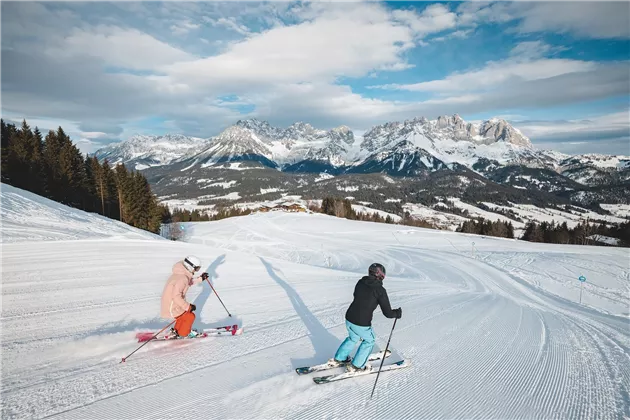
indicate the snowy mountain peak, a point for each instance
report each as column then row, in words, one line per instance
column 342, row 133
column 408, row 147
column 501, row 130
column 146, row 150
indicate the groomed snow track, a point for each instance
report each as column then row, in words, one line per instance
column 485, row 342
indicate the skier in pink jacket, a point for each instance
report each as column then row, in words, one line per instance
column 174, row 304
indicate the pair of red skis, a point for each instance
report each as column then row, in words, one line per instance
column 207, row 332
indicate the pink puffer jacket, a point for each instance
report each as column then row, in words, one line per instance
column 174, row 295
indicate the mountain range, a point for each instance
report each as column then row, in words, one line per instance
column 490, row 160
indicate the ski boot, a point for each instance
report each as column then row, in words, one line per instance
column 193, row 334
column 338, row 363
column 350, row 368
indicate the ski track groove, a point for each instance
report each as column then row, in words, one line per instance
column 613, row 369
column 491, row 346
column 249, row 332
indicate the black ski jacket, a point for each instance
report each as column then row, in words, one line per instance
column 368, row 294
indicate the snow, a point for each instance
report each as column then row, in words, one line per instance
column 491, row 330
column 189, row 204
column 368, row 210
column 224, row 185
column 393, row 200
column 347, row 188
column 159, row 150
column 323, row 176
column 30, row 217
column 477, row 212
column 235, row 166
column 388, row 179
column 189, row 166
column 270, row 190
column 601, row 161
column 619, row 210
column 578, row 215
column 604, row 239
column 443, row 220
column 230, row 196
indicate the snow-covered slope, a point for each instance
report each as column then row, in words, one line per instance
column 596, row 169
column 30, row 217
column 491, row 331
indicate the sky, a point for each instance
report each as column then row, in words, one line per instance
column 105, row 71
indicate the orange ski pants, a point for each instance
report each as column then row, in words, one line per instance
column 183, row 323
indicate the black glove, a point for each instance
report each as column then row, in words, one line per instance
column 204, row 276
column 192, row 307
column 398, row 313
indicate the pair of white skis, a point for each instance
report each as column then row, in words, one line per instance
column 338, row 377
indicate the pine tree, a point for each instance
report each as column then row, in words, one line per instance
column 349, row 211
column 121, row 179
column 24, row 159
column 52, row 148
column 510, row 230
column 73, row 174
column 109, row 188
column 99, row 184
column 90, row 189
column 5, row 135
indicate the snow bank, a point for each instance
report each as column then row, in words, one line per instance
column 30, row 217
column 492, row 328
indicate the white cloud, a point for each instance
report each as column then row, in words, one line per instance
column 86, row 141
column 495, row 74
column 531, row 49
column 597, row 19
column 330, row 46
column 602, row 126
column 584, row 19
column 286, row 68
column 127, row 48
column 183, row 28
column 433, row 19
column 230, row 23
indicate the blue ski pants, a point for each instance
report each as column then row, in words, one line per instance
column 356, row 333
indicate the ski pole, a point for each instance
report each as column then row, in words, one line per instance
column 383, row 358
column 215, row 292
column 125, row 358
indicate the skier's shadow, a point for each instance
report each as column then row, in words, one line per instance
column 201, row 300
column 324, row 343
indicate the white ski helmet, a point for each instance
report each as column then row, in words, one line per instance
column 192, row 263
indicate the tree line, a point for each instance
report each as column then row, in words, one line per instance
column 487, row 227
column 550, row 232
column 342, row 207
column 179, row 215
column 53, row 167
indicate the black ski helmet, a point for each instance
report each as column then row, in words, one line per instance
column 377, row 270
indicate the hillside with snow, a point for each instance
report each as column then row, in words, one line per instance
column 30, row 217
column 491, row 328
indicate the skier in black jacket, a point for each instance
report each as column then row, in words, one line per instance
column 368, row 294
